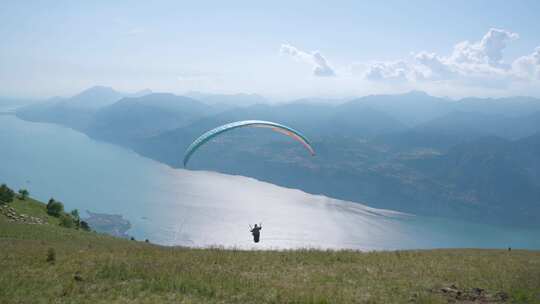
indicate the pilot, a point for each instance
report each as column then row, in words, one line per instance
column 256, row 232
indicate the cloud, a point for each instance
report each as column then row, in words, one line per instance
column 476, row 66
column 435, row 67
column 321, row 67
column 481, row 59
column 528, row 67
column 397, row 71
column 486, row 51
column 477, row 63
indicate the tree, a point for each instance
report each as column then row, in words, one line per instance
column 85, row 226
column 23, row 194
column 6, row 194
column 51, row 200
column 76, row 217
column 55, row 208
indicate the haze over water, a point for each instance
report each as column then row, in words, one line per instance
column 195, row 208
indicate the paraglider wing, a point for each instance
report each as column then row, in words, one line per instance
column 246, row 123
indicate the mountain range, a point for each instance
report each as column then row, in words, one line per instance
column 476, row 159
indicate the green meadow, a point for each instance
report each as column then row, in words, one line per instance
column 48, row 263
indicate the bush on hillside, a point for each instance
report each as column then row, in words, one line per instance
column 51, row 200
column 51, row 256
column 23, row 194
column 67, row 221
column 84, row 226
column 76, row 218
column 55, row 208
column 6, row 194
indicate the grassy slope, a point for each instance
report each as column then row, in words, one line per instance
column 121, row 271
column 34, row 208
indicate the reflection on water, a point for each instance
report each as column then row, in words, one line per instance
column 194, row 208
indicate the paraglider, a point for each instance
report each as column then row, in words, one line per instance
column 247, row 123
column 256, row 232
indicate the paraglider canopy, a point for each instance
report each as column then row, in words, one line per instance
column 246, row 123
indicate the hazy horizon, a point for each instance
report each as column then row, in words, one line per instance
column 346, row 49
column 311, row 98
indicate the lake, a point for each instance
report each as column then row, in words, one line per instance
column 195, row 208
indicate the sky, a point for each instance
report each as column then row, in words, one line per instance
column 279, row 49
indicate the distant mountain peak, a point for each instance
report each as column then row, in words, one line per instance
column 142, row 93
column 162, row 99
column 97, row 88
column 162, row 94
column 417, row 93
column 95, row 97
column 238, row 99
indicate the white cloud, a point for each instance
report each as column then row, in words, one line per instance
column 481, row 59
column 469, row 67
column 433, row 66
column 477, row 63
column 528, row 67
column 397, row 71
column 321, row 67
column 486, row 51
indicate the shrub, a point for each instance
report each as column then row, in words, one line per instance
column 55, row 208
column 6, row 194
column 51, row 256
column 85, row 226
column 76, row 218
column 23, row 194
column 51, row 200
column 67, row 221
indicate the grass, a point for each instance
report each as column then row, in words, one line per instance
column 95, row 268
column 34, row 208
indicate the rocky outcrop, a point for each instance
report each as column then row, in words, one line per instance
column 455, row 294
column 13, row 216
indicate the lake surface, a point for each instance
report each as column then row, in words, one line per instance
column 196, row 208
